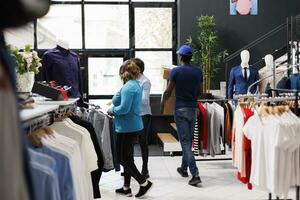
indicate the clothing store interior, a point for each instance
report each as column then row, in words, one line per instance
column 150, row 99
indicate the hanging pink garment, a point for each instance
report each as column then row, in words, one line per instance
column 244, row 6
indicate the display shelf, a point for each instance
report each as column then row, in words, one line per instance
column 41, row 101
column 37, row 111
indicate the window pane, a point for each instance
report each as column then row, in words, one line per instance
column 103, row 76
column 63, row 22
column 66, row 0
column 153, row 0
column 107, row 26
column 154, row 61
column 20, row 36
column 107, row 0
column 153, row 27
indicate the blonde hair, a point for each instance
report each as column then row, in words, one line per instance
column 129, row 71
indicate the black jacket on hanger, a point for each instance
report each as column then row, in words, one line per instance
column 95, row 175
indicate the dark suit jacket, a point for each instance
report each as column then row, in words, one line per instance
column 238, row 84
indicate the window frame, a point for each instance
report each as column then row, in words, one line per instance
column 127, row 53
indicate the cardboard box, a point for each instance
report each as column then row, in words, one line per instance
column 170, row 103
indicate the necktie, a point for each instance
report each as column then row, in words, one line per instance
column 245, row 73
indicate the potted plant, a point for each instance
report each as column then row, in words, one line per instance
column 207, row 52
column 27, row 65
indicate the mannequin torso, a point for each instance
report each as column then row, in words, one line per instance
column 242, row 76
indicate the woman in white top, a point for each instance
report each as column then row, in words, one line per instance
column 146, row 115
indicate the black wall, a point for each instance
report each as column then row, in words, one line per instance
column 238, row 31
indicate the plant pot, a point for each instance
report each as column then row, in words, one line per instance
column 25, row 82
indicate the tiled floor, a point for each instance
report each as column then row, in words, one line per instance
column 218, row 177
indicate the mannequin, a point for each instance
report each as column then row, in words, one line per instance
column 62, row 66
column 268, row 71
column 63, row 43
column 242, row 76
column 245, row 57
column 269, row 60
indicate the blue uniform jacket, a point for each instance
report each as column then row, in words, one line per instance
column 238, row 84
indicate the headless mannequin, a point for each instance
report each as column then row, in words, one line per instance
column 63, row 43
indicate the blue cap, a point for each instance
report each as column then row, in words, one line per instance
column 185, row 50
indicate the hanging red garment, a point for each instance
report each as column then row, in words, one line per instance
column 202, row 124
column 245, row 178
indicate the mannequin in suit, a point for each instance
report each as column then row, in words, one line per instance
column 242, row 76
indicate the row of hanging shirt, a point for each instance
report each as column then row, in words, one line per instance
column 62, row 157
column 104, row 129
column 265, row 147
column 213, row 128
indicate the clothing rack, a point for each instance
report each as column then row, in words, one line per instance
column 92, row 105
column 47, row 118
column 296, row 111
column 224, row 151
column 38, row 122
column 214, row 100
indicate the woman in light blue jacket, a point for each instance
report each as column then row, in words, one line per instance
column 128, row 123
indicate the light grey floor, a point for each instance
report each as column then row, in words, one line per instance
column 219, row 182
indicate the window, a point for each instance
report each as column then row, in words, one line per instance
column 105, row 29
column 20, row 36
column 103, row 76
column 153, row 0
column 153, row 27
column 104, row 33
column 63, row 22
column 106, row 0
column 154, row 60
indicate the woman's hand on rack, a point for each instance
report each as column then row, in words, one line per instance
column 110, row 112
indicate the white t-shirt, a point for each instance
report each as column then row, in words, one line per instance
column 253, row 130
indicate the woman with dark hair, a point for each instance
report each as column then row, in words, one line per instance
column 128, row 124
column 146, row 115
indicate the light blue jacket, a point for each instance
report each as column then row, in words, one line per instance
column 127, row 108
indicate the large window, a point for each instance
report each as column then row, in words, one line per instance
column 20, row 36
column 153, row 27
column 61, row 22
column 105, row 33
column 105, row 28
column 103, row 75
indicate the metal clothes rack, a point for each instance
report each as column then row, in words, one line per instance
column 38, row 122
column 47, row 118
column 224, row 151
column 296, row 111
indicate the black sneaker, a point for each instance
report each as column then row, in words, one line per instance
column 143, row 190
column 195, row 181
column 182, row 172
column 123, row 192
